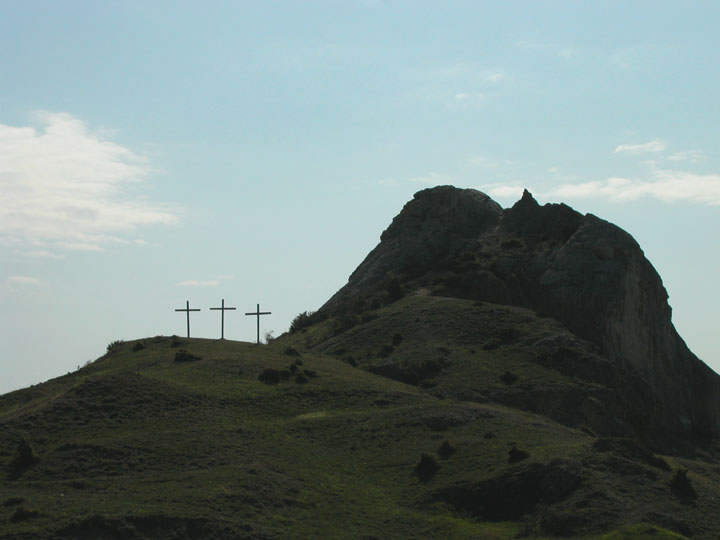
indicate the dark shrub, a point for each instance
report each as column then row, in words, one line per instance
column 681, row 486
column 291, row 351
column 21, row 514
column 446, row 450
column 492, row 343
column 426, row 467
column 305, row 319
column 310, row 373
column 176, row 342
column 386, row 351
column 139, row 346
column 25, row 458
column 350, row 359
column 114, row 345
column 508, row 378
column 274, row 376
column 183, row 356
column 515, row 455
column 301, row 379
column 397, row 340
column 345, row 322
column 13, row 501
column 658, row 462
column 293, row 369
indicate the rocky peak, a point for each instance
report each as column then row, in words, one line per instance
column 581, row 270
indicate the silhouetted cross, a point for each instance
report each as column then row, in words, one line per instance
column 188, row 310
column 222, row 309
column 258, row 313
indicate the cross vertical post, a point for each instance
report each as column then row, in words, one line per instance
column 222, row 309
column 257, row 314
column 188, row 310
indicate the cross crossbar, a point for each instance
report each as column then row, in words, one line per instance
column 188, row 310
column 257, row 314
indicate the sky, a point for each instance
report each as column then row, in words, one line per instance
column 154, row 153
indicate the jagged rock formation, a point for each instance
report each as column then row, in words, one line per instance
column 579, row 269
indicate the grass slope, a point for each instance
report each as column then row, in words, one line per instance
column 138, row 445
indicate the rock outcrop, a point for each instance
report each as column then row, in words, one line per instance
column 579, row 269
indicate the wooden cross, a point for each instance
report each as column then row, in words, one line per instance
column 258, row 313
column 222, row 309
column 188, row 310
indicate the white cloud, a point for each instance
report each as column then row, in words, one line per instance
column 64, row 186
column 503, row 191
column 567, row 52
column 199, row 283
column 666, row 185
column 42, row 254
column 493, row 77
column 692, row 156
column 24, row 281
column 657, row 145
column 466, row 100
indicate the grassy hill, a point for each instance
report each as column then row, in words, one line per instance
column 427, row 418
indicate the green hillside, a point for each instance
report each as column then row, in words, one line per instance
column 430, row 417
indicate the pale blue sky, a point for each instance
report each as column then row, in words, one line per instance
column 158, row 152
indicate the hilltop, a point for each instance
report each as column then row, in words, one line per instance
column 447, row 391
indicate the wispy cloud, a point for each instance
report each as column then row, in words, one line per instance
column 64, row 186
column 691, row 156
column 23, row 281
column 466, row 100
column 657, row 145
column 665, row 185
column 199, row 283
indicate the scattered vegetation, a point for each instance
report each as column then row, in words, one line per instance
column 183, row 356
column 515, row 455
column 139, row 346
column 25, row 458
column 114, row 345
column 426, row 467
column 274, row 376
column 305, row 319
column 446, row 450
column 681, row 485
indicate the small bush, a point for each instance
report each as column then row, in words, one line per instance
column 659, row 463
column 139, row 346
column 310, row 373
column 681, row 486
column 386, row 351
column 305, row 319
column 21, row 514
column 509, row 378
column 426, row 467
column 269, row 337
column 176, row 342
column 301, row 379
column 446, row 450
column 291, row 351
column 397, row 340
column 293, row 369
column 114, row 345
column 515, row 455
column 274, row 376
column 350, row 359
column 25, row 458
column 183, row 356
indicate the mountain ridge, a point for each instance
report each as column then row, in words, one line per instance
column 582, row 270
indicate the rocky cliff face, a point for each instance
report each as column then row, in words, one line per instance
column 579, row 269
